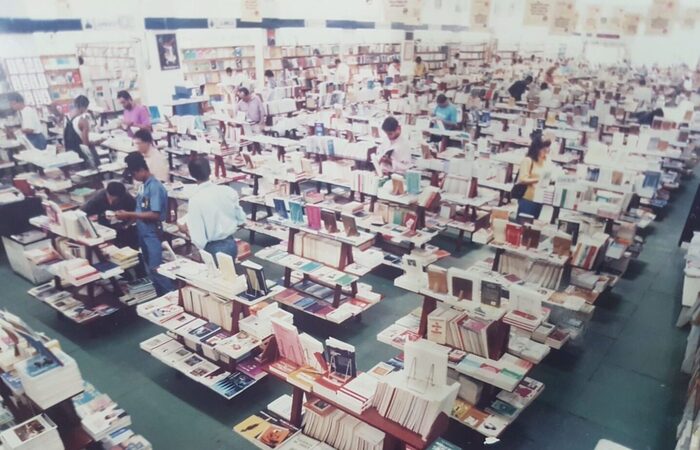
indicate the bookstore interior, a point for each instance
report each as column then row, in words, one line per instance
column 395, row 224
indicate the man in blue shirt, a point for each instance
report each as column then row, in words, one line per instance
column 445, row 114
column 151, row 211
column 213, row 212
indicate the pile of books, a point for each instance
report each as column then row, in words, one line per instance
column 77, row 272
column 502, row 411
column 67, row 305
column 101, row 417
column 210, row 307
column 339, row 429
column 312, row 268
column 504, row 373
column 468, row 332
column 138, row 291
column 267, row 430
column 49, row 377
column 37, row 433
column 318, row 300
column 124, row 257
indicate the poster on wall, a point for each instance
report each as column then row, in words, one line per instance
column 690, row 18
column 479, row 14
column 592, row 18
column 536, row 13
column 563, row 17
column 167, row 51
column 403, row 11
column 630, row 24
column 660, row 17
column 251, row 11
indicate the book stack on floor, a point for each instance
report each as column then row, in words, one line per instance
column 37, row 433
column 415, row 396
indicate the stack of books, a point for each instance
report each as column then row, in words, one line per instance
column 102, row 423
column 209, row 307
column 468, row 332
column 49, row 377
column 77, row 272
column 266, row 430
column 138, row 291
column 339, row 429
column 124, row 257
column 102, row 418
column 37, row 433
column 504, row 373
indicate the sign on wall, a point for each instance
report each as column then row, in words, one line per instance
column 536, row 13
column 167, row 51
column 660, row 17
column 479, row 14
column 403, row 11
column 690, row 18
column 251, row 11
column 592, row 18
column 630, row 24
column 563, row 17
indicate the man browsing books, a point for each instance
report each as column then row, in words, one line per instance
column 253, row 108
column 214, row 213
column 395, row 155
column 31, row 125
column 156, row 160
column 134, row 115
column 151, row 211
column 114, row 198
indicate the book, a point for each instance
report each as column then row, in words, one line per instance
column 340, row 357
column 255, row 279
column 437, row 279
column 329, row 221
column 313, row 215
column 490, row 293
column 349, row 225
column 514, row 234
column 280, row 208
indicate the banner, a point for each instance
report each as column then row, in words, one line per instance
column 403, row 11
column 251, row 11
column 536, row 13
column 630, row 24
column 479, row 14
column 563, row 17
column 690, row 18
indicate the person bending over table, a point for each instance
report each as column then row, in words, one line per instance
column 113, row 198
column 395, row 154
column 134, row 115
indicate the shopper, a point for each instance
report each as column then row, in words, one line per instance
column 114, row 198
column 156, row 160
column 342, row 74
column 546, row 98
column 213, row 214
column 151, row 211
column 531, row 169
column 135, row 116
column 253, row 108
column 76, row 133
column 420, row 70
column 394, row 70
column 30, row 124
column 395, row 155
column 445, row 112
column 518, row 88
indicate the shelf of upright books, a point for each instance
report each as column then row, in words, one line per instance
column 207, row 65
column 48, row 405
column 368, row 410
column 215, row 323
column 88, row 271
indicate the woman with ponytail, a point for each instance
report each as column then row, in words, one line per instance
column 530, row 170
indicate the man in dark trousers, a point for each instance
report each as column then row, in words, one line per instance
column 517, row 89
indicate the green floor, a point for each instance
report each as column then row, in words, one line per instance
column 623, row 383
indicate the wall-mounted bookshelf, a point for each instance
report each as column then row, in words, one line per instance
column 472, row 54
column 63, row 78
column 434, row 56
column 300, row 57
column 27, row 76
column 109, row 68
column 207, row 65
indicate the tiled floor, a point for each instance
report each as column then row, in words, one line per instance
column 622, row 383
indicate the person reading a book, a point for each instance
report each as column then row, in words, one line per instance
column 135, row 116
column 151, row 210
column 76, row 134
column 517, row 89
column 253, row 108
column 214, row 214
column 395, row 155
column 30, row 124
column 445, row 117
column 113, row 198
column 156, row 160
column 420, row 70
column 531, row 169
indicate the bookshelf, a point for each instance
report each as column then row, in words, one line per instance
column 110, row 67
column 471, row 54
column 281, row 59
column 434, row 56
column 27, row 76
column 63, row 78
column 207, row 65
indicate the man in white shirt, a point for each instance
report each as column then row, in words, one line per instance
column 31, row 125
column 394, row 70
column 342, row 73
column 155, row 159
column 213, row 213
column 643, row 94
column 395, row 155
column 546, row 96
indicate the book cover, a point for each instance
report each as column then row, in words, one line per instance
column 491, row 293
column 313, row 215
column 514, row 233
